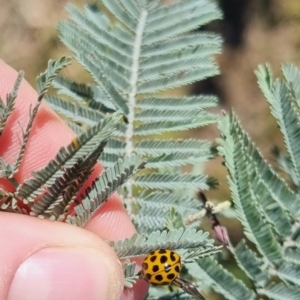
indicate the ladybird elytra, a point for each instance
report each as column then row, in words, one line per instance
column 161, row 267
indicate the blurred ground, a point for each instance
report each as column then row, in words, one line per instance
column 255, row 31
column 28, row 36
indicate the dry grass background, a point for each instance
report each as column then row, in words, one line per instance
column 255, row 32
column 28, row 36
column 270, row 33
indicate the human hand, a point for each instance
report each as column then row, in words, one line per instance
column 41, row 259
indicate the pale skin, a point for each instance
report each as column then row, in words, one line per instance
column 40, row 259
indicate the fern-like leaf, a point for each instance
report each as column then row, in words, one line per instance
column 284, row 110
column 278, row 190
column 8, row 108
column 140, row 245
column 76, row 113
column 220, row 279
column 292, row 254
column 146, row 49
column 56, row 203
column 67, row 157
column 109, row 181
column 289, row 272
column 89, row 95
column 45, row 79
column 129, row 273
column 173, row 181
column 161, row 147
column 181, row 104
column 153, row 209
column 244, row 197
column 282, row 292
column 249, row 262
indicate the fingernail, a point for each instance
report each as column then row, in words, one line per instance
column 64, row 273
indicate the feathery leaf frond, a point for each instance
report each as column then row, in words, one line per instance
column 154, row 208
column 282, row 292
column 173, row 181
column 249, row 262
column 67, row 157
column 292, row 255
column 161, row 147
column 129, row 273
column 45, row 79
column 184, row 103
column 289, row 272
column 244, row 197
column 160, row 127
column 284, row 108
column 7, row 109
column 220, row 279
column 140, row 245
column 127, row 62
column 146, row 48
column 76, row 113
column 110, row 180
column 88, row 95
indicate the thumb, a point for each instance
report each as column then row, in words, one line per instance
column 55, row 262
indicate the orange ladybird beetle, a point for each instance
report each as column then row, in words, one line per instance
column 162, row 267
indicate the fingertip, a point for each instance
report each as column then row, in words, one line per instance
column 68, row 273
column 49, row 134
column 56, row 261
column 111, row 221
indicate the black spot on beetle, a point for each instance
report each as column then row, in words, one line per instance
column 173, row 256
column 171, row 276
column 162, row 251
column 155, row 268
column 153, row 258
column 145, row 266
column 177, row 269
column 158, row 277
column 163, row 259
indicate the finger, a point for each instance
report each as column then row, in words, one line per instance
column 111, row 221
column 58, row 261
column 44, row 144
column 44, row 140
